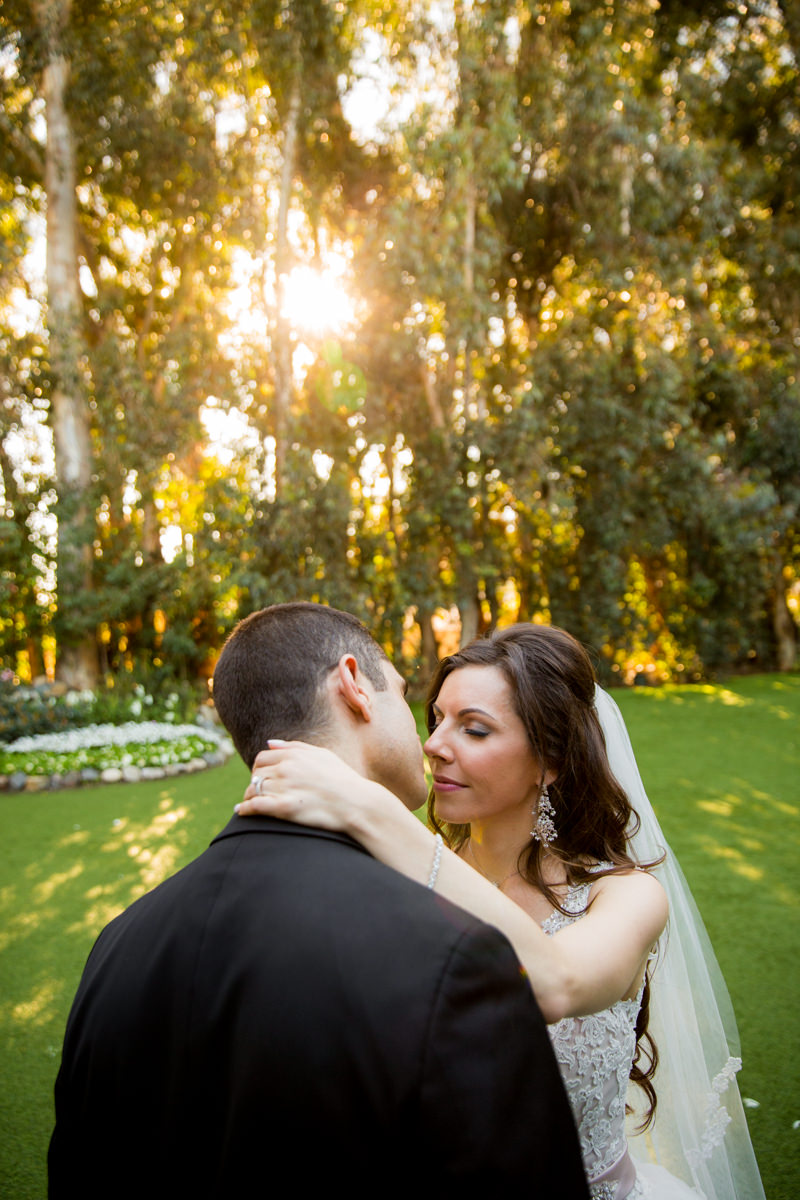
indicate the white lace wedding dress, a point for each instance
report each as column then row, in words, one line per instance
column 595, row 1055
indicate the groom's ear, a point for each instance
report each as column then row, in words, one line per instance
column 349, row 687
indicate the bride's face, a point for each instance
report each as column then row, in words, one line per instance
column 482, row 762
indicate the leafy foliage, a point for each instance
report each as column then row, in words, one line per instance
column 29, row 711
column 571, row 392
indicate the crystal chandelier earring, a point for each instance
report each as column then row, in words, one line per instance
column 544, row 830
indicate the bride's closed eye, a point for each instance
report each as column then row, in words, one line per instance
column 471, row 731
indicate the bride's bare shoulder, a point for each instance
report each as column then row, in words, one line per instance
column 636, row 887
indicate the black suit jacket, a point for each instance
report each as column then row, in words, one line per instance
column 288, row 1010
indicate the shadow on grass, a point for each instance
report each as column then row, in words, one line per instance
column 722, row 767
column 726, row 786
column 72, row 861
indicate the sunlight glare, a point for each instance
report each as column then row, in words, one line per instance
column 171, row 539
column 374, row 478
column 316, row 302
column 230, row 434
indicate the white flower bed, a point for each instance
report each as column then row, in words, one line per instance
column 110, row 753
column 132, row 733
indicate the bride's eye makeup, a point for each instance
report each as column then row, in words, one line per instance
column 466, row 716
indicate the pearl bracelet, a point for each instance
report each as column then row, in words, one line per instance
column 437, row 859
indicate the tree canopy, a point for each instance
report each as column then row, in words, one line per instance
column 447, row 314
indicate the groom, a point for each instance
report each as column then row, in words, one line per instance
column 286, row 1012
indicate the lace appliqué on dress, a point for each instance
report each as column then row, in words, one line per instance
column 608, row 1191
column 594, row 1054
column 603, row 1191
column 717, row 1118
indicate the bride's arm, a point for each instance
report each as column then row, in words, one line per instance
column 583, row 969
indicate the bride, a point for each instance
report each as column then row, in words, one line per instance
column 541, row 826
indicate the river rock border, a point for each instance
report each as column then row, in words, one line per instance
column 20, row 782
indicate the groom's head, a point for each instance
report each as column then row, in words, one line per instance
column 307, row 672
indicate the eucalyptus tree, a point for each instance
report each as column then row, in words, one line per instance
column 431, row 255
column 573, row 246
column 286, row 67
column 37, row 66
column 208, row 499
column 625, row 263
column 734, row 76
column 160, row 208
column 142, row 201
column 25, row 554
column 26, row 559
column 96, row 80
column 581, row 297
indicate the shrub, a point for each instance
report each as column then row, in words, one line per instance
column 26, row 711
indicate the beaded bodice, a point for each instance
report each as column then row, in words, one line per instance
column 595, row 1055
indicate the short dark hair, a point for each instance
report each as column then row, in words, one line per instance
column 269, row 680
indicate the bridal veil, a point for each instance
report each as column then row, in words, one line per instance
column 700, row 1132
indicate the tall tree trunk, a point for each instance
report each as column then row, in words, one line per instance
column 151, row 529
column 470, row 612
column 791, row 18
column 429, row 647
column 783, row 626
column 472, row 394
column 77, row 663
column 623, row 159
column 283, row 343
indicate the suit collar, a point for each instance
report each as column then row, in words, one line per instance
column 237, row 826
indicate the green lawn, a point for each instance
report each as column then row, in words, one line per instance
column 721, row 764
column 722, row 767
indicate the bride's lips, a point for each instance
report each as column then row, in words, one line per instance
column 442, row 784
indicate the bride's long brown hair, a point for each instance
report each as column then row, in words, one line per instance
column 553, row 687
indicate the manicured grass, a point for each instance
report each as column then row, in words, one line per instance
column 721, row 764
column 71, row 861
column 722, row 767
